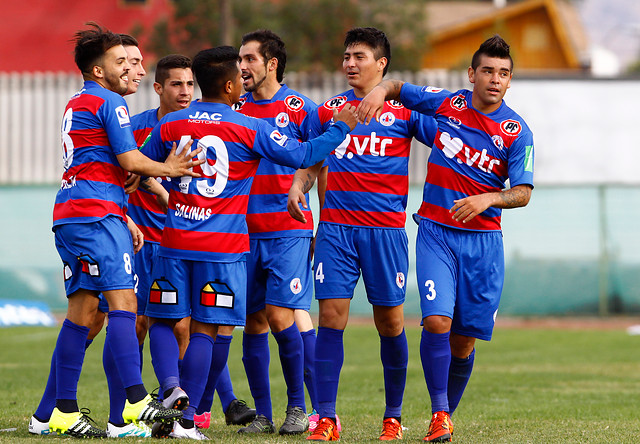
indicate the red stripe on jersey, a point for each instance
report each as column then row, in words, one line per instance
column 232, row 205
column 272, row 184
column 268, row 222
column 85, row 102
column 442, row 216
column 229, row 132
column 97, row 172
column 272, row 109
column 447, row 178
column 141, row 135
column 89, row 137
column 151, row 234
column 96, row 208
column 228, row 243
column 237, row 170
column 368, row 182
column 363, row 218
column 146, row 201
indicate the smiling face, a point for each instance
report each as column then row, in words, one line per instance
column 490, row 79
column 112, row 70
column 136, row 72
column 361, row 68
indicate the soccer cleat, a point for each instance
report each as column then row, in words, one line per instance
column 440, row 428
column 177, row 399
column 391, row 430
column 161, row 429
column 139, row 429
column 149, row 410
column 38, row 427
column 190, row 433
column 295, row 423
column 314, row 418
column 76, row 424
column 327, row 430
column 202, row 421
column 260, row 424
column 239, row 413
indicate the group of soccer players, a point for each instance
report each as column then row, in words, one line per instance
column 219, row 233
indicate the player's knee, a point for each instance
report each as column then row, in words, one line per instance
column 437, row 324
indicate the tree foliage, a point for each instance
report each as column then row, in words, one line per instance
column 313, row 30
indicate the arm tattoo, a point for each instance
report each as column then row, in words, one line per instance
column 515, row 197
column 145, row 184
column 307, row 183
column 392, row 87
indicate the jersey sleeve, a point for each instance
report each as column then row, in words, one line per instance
column 117, row 124
column 424, row 99
column 521, row 157
column 154, row 148
column 423, row 128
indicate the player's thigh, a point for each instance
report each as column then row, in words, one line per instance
column 336, row 262
column 289, row 282
column 436, row 270
column 384, row 260
column 170, row 291
column 256, row 277
column 480, row 281
column 96, row 256
column 219, row 292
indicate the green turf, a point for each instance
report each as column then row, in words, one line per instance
column 528, row 386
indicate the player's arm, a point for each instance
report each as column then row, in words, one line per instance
column 153, row 186
column 175, row 165
column 136, row 235
column 469, row 207
column 371, row 106
column 303, row 180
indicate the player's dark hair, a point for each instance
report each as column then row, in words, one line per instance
column 91, row 45
column 374, row 39
column 168, row 63
column 128, row 40
column 271, row 46
column 214, row 67
column 492, row 47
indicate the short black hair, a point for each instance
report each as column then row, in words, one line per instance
column 92, row 44
column 214, row 67
column 271, row 46
column 374, row 39
column 492, row 47
column 168, row 63
column 128, row 40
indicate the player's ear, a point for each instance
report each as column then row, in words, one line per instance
column 228, row 87
column 97, row 71
column 472, row 75
column 382, row 63
column 157, row 88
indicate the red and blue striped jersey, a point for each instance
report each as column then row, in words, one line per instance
column 95, row 129
column 267, row 215
column 473, row 153
column 143, row 206
column 206, row 217
column 368, row 174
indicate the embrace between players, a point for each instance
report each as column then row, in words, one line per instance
column 235, row 246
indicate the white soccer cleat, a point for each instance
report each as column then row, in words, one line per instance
column 139, row 429
column 37, row 427
column 192, row 433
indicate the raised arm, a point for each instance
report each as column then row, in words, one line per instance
column 371, row 106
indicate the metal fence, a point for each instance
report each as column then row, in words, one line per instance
column 32, row 104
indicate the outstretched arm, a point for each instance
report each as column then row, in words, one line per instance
column 466, row 209
column 371, row 106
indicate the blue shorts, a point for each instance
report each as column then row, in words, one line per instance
column 142, row 266
column 343, row 251
column 279, row 273
column 96, row 256
column 460, row 275
column 209, row 292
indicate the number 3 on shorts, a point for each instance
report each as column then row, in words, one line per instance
column 319, row 273
column 431, row 290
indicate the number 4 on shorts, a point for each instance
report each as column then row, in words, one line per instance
column 319, row 273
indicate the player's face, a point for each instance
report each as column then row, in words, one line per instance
column 253, row 66
column 361, row 68
column 490, row 79
column 177, row 91
column 115, row 70
column 137, row 72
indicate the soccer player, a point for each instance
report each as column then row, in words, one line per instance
column 201, row 268
column 361, row 230
column 481, row 143
column 279, row 265
column 91, row 232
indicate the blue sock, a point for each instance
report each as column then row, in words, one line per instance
column 256, row 357
column 459, row 374
column 224, row 387
column 117, row 393
column 70, row 349
column 218, row 363
column 123, row 345
column 180, row 367
column 309, row 339
column 435, row 353
column 394, row 353
column 164, row 350
column 290, row 348
column 329, row 360
column 196, row 366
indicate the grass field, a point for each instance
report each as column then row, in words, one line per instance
column 529, row 385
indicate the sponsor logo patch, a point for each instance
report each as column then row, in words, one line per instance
column 282, row 120
column 294, row 103
column 89, row 265
column 400, row 279
column 162, row 292
column 217, row 294
column 295, row 286
column 387, row 119
column 123, row 116
column 511, row 127
column 459, row 102
column 238, row 105
column 278, row 137
column 336, row 102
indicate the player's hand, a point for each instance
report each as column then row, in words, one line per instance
column 131, row 183
column 182, row 165
column 297, row 198
column 371, row 106
column 347, row 115
column 469, row 207
column 136, row 235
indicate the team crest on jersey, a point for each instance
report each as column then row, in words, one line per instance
column 387, row 119
column 431, row 89
column 454, row 122
column 400, row 279
column 163, row 292
column 498, row 142
column 395, row 104
column 123, row 116
column 295, row 286
column 278, row 137
column 459, row 102
column 238, row 105
column 336, row 102
column 294, row 103
column 282, row 120
column 511, row 127
column 217, row 294
column 66, row 271
column 89, row 265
